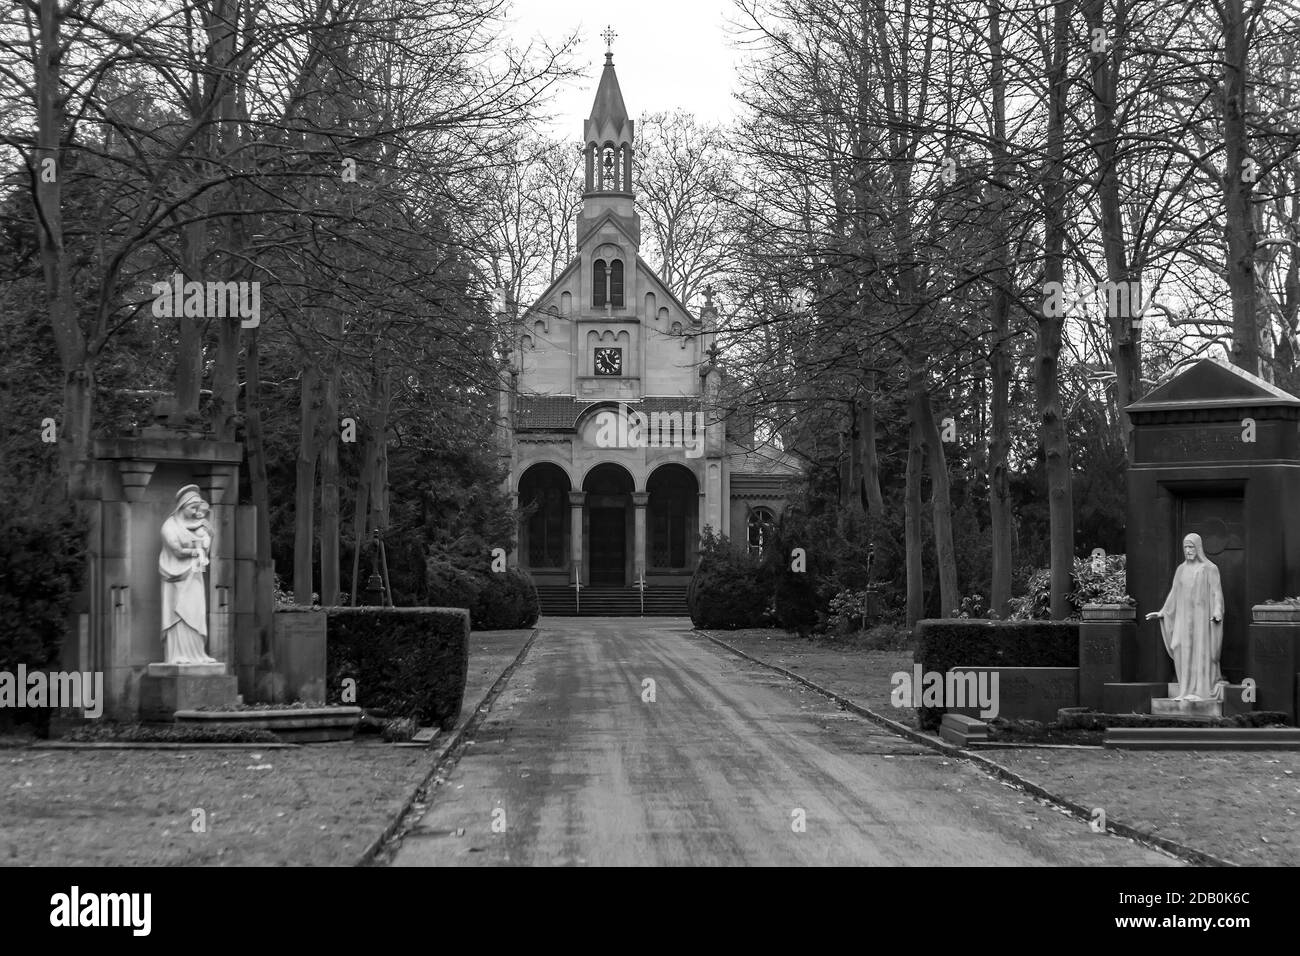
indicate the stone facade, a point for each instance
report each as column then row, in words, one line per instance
column 612, row 430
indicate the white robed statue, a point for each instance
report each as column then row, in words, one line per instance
column 1192, row 624
column 187, row 538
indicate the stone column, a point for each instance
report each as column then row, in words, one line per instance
column 213, row 483
column 576, row 500
column 639, row 499
column 713, row 489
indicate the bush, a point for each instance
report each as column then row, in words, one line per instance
column 1109, row 586
column 406, row 661
column 508, row 600
column 496, row 600
column 946, row 643
column 729, row 588
column 42, row 564
column 851, row 611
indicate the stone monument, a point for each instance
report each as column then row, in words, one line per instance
column 1215, row 452
column 1191, row 623
column 141, row 485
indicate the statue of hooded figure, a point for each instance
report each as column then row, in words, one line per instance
column 1191, row 622
column 186, row 538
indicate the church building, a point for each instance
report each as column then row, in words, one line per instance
column 619, row 452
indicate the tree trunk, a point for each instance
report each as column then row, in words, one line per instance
column 940, row 493
column 1125, row 347
column 912, row 527
column 1237, row 187
column 260, row 489
column 999, row 443
column 360, row 524
column 305, row 489
column 870, row 456
column 329, row 492
column 1055, row 441
column 78, row 370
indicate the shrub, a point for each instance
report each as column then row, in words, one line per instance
column 947, row 643
column 42, row 564
column 729, row 589
column 42, row 567
column 507, row 600
column 1108, row 586
column 406, row 661
column 851, row 611
column 496, row 600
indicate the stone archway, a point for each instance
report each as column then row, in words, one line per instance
column 674, row 514
column 608, row 531
column 544, row 534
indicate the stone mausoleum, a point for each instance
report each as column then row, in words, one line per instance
column 618, row 446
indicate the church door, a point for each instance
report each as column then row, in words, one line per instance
column 608, row 528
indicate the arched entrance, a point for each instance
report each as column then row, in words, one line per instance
column 544, row 534
column 608, row 524
column 674, row 517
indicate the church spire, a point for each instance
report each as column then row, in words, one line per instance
column 608, row 132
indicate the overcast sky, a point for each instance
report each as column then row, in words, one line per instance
column 669, row 54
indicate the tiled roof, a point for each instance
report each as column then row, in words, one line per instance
column 559, row 412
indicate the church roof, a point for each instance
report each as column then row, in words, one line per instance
column 608, row 106
column 561, row 412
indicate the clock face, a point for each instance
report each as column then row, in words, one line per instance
column 609, row 361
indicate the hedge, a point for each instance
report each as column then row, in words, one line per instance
column 406, row 661
column 942, row 644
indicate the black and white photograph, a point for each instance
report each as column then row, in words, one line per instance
column 741, row 433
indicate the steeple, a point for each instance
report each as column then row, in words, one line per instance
column 607, row 134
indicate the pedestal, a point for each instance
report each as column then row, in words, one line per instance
column 1168, row 707
column 1107, row 653
column 167, row 688
column 1272, row 661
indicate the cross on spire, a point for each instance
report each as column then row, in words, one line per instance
column 609, row 36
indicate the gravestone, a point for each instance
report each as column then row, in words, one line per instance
column 119, row 613
column 1027, row 693
column 1215, row 451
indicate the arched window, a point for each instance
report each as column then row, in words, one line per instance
column 616, row 283
column 598, row 283
column 761, row 522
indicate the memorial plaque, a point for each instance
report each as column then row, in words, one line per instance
column 1028, row 693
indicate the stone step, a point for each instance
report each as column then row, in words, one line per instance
column 1202, row 738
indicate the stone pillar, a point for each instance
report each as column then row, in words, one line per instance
column 1107, row 651
column 512, row 559
column 713, row 489
column 576, row 500
column 639, row 499
column 1273, row 659
column 213, row 483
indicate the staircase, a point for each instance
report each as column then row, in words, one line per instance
column 607, row 601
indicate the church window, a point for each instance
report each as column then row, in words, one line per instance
column 616, row 283
column 598, row 283
column 761, row 522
